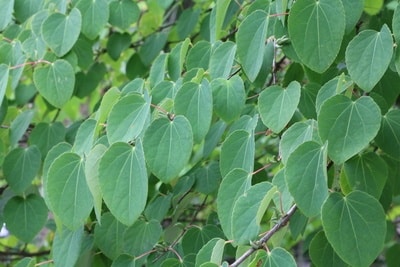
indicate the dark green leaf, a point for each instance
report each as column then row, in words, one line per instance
column 94, row 16
column 199, row 55
column 19, row 126
column 141, row 237
column 388, row 138
column 123, row 13
column 45, row 136
column 322, row 253
column 195, row 238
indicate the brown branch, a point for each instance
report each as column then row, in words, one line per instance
column 260, row 243
column 24, row 253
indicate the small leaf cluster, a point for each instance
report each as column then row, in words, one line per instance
column 199, row 133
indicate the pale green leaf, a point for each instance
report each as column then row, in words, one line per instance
column 127, row 118
column 25, row 217
column 277, row 105
column 211, row 252
column 55, row 82
column 68, row 193
column 67, row 246
column 107, row 102
column 176, row 59
column 20, row 167
column 237, row 151
column 7, row 8
column 373, row 7
column 306, row 177
column 199, row 55
column 280, row 257
column 4, row 72
column 368, row 56
column 355, row 226
column 353, row 10
column 194, row 101
column 251, row 37
column 94, row 16
column 396, row 24
column 26, row 262
column 158, row 69
column 233, row 185
column 221, row 59
column 123, row 181
column 282, row 198
column 85, row 136
column 316, row 30
column 167, row 146
column 19, row 125
column 60, row 32
column 348, row 126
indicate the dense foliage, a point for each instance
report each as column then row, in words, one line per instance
column 199, row 133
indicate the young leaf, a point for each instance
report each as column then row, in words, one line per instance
column 85, row 136
column 221, row 59
column 248, row 211
column 94, row 16
column 55, row 82
column 67, row 246
column 316, row 30
column 322, row 253
column 348, row 126
column 20, row 167
column 368, row 56
column 237, row 151
column 176, row 59
column 123, row 181
column 25, row 217
column 167, row 146
column 355, row 226
column 388, row 138
column 60, row 32
column 68, row 193
column 297, row 134
column 277, row 105
column 194, row 101
column 251, row 36
column 229, row 97
column 306, row 177
column 233, row 185
column 366, row 172
column 127, row 118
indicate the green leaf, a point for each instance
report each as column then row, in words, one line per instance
column 248, row 211
column 208, row 178
column 45, row 136
column 68, row 193
column 366, row 172
column 251, row 37
column 142, row 237
column 20, row 167
column 124, row 261
column 55, row 82
column 199, row 56
column 306, row 177
column 107, row 102
column 277, row 105
column 194, row 101
column 85, row 136
column 127, row 118
column 283, row 198
column 26, row 262
column 218, row 16
column 123, row 181
column 176, row 59
column 123, row 13
column 211, row 252
column 396, row 24
column 353, row 10
column 94, row 16
column 92, row 177
column 355, row 226
column 368, row 56
column 4, row 72
column 373, row 7
column 187, row 22
column 7, row 8
column 221, row 59
column 229, row 97
column 348, row 126
column 279, row 257
column 12, row 54
column 322, row 253
column 167, row 147
column 60, row 32
column 67, row 246
column 25, row 217
column 157, row 69
column 152, row 47
column 158, row 208
column 233, row 185
column 388, row 138
column 195, row 238
column 316, row 30
column 334, row 87
column 19, row 126
column 237, row 151
column 23, row 9
column 118, row 42
column 109, row 236
column 297, row 134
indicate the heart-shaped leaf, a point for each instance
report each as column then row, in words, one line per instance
column 94, row 16
column 67, row 246
column 221, row 59
column 388, row 138
column 60, row 32
column 25, row 217
column 68, row 193
column 123, row 181
column 211, row 252
column 123, row 13
column 45, row 136
column 277, row 105
column 318, row 38
column 348, row 126
column 368, row 56
column 275, row 258
column 55, row 82
column 306, row 177
column 355, row 226
column 167, row 146
column 322, row 253
column 251, row 36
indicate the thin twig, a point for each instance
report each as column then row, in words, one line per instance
column 260, row 243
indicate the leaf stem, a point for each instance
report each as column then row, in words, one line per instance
column 260, row 243
column 31, row 63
